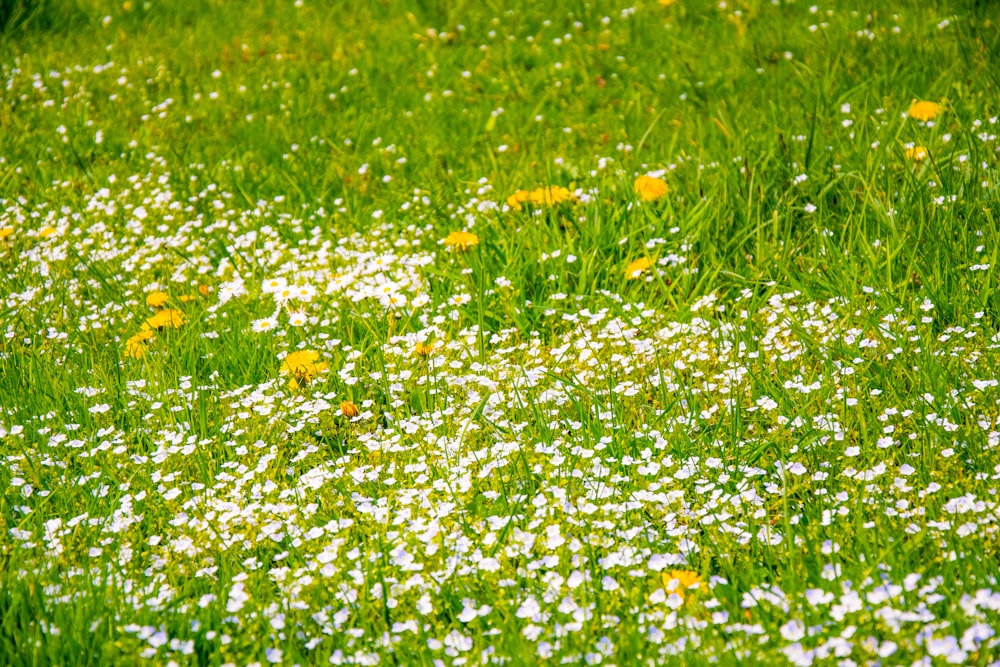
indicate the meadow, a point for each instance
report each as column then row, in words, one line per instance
column 599, row 332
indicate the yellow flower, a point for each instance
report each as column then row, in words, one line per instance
column 423, row 349
column 917, row 153
column 547, row 196
column 924, row 110
column 638, row 267
column 303, row 366
column 650, row 188
column 518, row 198
column 135, row 346
column 156, row 299
column 165, row 319
column 5, row 232
column 349, row 409
column 666, row 3
column 204, row 290
column 461, row 240
column 47, row 232
column 680, row 582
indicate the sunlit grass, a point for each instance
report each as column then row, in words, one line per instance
column 478, row 333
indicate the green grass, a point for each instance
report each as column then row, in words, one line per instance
column 795, row 403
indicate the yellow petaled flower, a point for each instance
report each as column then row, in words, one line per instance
column 461, row 240
column 156, row 299
column 548, row 196
column 47, row 232
column 917, row 153
column 638, row 267
column 667, row 3
column 650, row 188
column 165, row 319
column 423, row 349
column 303, row 366
column 349, row 409
column 204, row 290
column 135, row 346
column 924, row 110
column 5, row 232
column 518, row 198
column 680, row 582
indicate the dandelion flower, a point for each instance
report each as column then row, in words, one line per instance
column 917, row 153
column 547, row 196
column 422, row 349
column 165, row 319
column 5, row 232
column 518, row 198
column 638, row 267
column 156, row 299
column 349, row 409
column 680, row 581
column 47, row 232
column 135, row 346
column 303, row 365
column 666, row 3
column 551, row 196
column 461, row 240
column 650, row 188
column 924, row 111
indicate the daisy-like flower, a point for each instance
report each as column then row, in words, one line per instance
column 156, row 299
column 917, row 153
column 461, row 240
column 273, row 285
column 638, row 267
column 135, row 346
column 650, row 188
column 264, row 324
column 167, row 318
column 303, row 365
column 924, row 110
column 681, row 582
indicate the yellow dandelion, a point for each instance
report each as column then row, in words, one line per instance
column 5, row 232
column 681, row 582
column 135, row 346
column 156, row 299
column 547, row 196
column 551, row 196
column 461, row 240
column 303, row 366
column 518, row 198
column 638, row 267
column 204, row 290
column 422, row 349
column 47, row 232
column 667, row 3
column 165, row 319
column 917, row 153
column 650, row 188
column 349, row 409
column 924, row 110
